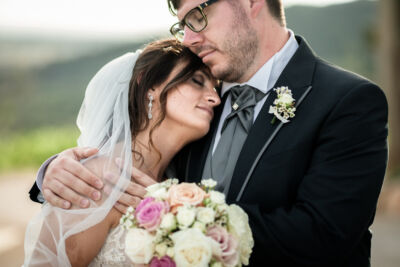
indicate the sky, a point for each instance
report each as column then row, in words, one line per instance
column 96, row 17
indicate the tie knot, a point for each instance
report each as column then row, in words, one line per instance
column 244, row 96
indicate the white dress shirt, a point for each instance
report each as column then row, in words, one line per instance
column 264, row 80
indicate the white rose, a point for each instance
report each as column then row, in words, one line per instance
column 205, row 215
column 210, row 183
column 139, row 246
column 168, row 222
column 185, row 217
column 217, row 197
column 286, row 99
column 240, row 228
column 222, row 208
column 157, row 191
column 192, row 248
column 199, row 225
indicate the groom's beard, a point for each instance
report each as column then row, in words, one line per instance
column 239, row 50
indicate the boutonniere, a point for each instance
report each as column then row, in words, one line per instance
column 283, row 107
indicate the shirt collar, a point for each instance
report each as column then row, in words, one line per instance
column 265, row 78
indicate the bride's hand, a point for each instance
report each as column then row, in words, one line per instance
column 67, row 181
column 135, row 191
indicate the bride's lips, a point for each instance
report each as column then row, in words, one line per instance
column 210, row 111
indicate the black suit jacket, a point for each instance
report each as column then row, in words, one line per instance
column 311, row 194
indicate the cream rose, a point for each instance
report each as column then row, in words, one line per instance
column 157, row 191
column 205, row 215
column 192, row 248
column 217, row 197
column 286, row 99
column 199, row 225
column 210, row 183
column 168, row 222
column 185, row 193
column 240, row 228
column 139, row 246
column 185, row 217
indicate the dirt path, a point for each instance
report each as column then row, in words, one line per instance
column 16, row 210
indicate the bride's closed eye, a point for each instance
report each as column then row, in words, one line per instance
column 198, row 79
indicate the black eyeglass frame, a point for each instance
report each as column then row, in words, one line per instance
column 181, row 23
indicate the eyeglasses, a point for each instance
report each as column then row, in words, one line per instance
column 195, row 19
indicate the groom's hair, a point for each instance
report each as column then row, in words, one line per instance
column 275, row 8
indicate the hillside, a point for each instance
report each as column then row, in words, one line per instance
column 52, row 94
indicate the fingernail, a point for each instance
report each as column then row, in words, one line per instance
column 96, row 195
column 84, row 203
column 99, row 184
column 66, row 205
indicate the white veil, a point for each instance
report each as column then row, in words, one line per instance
column 104, row 123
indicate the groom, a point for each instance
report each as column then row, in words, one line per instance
column 309, row 185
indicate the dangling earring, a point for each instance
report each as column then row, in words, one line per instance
column 149, row 115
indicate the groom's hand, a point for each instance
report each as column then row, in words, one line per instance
column 67, row 181
column 135, row 191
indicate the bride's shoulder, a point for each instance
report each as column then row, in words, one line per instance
column 102, row 165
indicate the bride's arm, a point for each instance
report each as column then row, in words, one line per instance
column 81, row 248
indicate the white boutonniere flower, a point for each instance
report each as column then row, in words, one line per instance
column 283, row 107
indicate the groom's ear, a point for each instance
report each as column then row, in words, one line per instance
column 255, row 7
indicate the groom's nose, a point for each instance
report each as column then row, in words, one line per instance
column 191, row 38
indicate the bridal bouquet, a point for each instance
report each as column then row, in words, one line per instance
column 187, row 225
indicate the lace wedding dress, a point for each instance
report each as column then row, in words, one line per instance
column 113, row 251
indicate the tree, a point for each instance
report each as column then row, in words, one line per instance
column 390, row 75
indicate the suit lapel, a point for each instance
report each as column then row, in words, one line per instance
column 298, row 77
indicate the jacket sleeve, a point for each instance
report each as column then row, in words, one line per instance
column 35, row 194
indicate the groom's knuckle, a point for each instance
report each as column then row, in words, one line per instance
column 62, row 161
column 59, row 189
column 75, row 198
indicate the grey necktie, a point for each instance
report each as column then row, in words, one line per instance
column 234, row 132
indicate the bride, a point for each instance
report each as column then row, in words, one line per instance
column 142, row 118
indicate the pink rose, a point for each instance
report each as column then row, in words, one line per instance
column 149, row 213
column 228, row 244
column 185, row 193
column 163, row 262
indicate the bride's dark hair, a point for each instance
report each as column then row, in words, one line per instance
column 152, row 68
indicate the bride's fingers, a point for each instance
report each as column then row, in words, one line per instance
column 142, row 178
column 121, row 208
column 129, row 200
column 136, row 190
